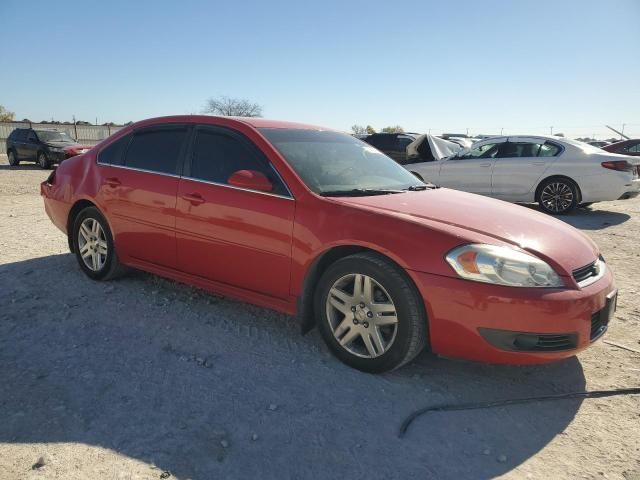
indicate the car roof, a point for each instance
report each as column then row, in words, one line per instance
column 254, row 122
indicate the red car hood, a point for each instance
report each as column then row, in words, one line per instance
column 479, row 219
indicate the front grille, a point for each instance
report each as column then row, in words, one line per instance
column 583, row 273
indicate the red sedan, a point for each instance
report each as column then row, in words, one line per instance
column 318, row 224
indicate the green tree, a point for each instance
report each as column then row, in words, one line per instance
column 393, row 129
column 370, row 130
column 5, row 115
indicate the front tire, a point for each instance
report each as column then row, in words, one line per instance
column 370, row 314
column 558, row 196
column 13, row 159
column 43, row 161
column 94, row 247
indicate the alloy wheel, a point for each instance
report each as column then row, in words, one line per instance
column 361, row 315
column 92, row 244
column 42, row 160
column 556, row 197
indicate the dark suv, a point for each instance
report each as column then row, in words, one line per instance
column 393, row 145
column 45, row 147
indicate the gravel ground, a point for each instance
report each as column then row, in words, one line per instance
column 138, row 377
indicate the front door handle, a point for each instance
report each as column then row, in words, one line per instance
column 193, row 198
column 485, row 164
column 112, row 182
column 538, row 163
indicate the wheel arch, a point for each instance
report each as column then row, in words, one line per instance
column 560, row 177
column 73, row 213
column 318, row 266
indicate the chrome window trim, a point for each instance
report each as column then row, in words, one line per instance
column 290, row 197
column 124, row 167
column 233, row 187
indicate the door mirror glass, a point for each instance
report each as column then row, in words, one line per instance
column 250, row 179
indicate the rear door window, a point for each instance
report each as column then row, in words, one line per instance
column 549, row 149
column 157, row 149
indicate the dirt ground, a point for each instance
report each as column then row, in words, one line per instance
column 138, row 377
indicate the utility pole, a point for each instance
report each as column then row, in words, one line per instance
column 75, row 128
column 551, row 128
column 501, row 129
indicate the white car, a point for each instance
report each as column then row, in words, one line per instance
column 557, row 173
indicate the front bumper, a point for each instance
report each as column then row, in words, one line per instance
column 461, row 312
column 56, row 157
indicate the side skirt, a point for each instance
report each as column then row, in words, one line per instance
column 237, row 293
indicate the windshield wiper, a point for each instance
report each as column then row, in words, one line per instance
column 416, row 188
column 360, row 192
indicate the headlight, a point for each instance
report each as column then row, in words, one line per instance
column 502, row 266
column 56, row 149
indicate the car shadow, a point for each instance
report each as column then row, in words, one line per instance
column 594, row 217
column 206, row 387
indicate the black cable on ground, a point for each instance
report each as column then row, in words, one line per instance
column 515, row 401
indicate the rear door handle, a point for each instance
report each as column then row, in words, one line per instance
column 538, row 163
column 112, row 182
column 193, row 198
column 485, row 164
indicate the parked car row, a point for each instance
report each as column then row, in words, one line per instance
column 317, row 223
column 42, row 146
column 557, row 173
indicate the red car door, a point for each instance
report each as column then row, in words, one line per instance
column 235, row 236
column 140, row 176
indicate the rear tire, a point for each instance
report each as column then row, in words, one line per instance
column 558, row 196
column 377, row 326
column 43, row 161
column 13, row 159
column 94, row 247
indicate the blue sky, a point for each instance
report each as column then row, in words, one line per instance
column 446, row 66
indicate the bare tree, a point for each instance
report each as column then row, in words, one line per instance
column 5, row 115
column 358, row 129
column 233, row 107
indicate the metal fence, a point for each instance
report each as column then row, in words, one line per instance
column 89, row 134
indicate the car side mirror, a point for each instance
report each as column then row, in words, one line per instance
column 250, row 179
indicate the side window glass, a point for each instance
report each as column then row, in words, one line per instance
column 156, row 149
column 549, row 150
column 31, row 137
column 113, row 154
column 488, row 150
column 518, row 150
column 403, row 143
column 634, row 148
column 216, row 156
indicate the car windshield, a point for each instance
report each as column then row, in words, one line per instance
column 51, row 136
column 333, row 163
